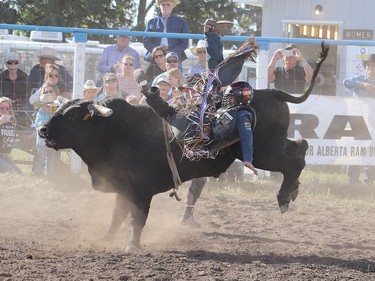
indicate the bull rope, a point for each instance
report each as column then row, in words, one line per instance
column 172, row 163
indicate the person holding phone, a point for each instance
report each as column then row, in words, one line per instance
column 291, row 76
column 294, row 73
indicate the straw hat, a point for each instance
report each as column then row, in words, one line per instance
column 90, row 85
column 175, row 2
column 200, row 45
column 49, row 53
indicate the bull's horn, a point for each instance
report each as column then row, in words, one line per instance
column 99, row 110
column 62, row 99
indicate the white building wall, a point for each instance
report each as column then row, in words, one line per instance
column 355, row 14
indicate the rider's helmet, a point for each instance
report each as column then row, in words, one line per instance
column 237, row 93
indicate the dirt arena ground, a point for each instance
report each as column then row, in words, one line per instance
column 51, row 231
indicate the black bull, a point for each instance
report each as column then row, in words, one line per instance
column 126, row 152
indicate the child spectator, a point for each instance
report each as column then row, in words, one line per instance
column 44, row 162
column 90, row 91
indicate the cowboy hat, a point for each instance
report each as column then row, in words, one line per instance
column 48, row 53
column 200, row 45
column 370, row 58
column 90, row 85
column 175, row 2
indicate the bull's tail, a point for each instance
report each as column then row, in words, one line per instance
column 300, row 99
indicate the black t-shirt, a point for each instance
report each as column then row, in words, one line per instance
column 291, row 81
column 7, row 137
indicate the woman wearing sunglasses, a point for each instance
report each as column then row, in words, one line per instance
column 157, row 64
column 126, row 80
column 14, row 82
column 52, row 76
column 111, row 87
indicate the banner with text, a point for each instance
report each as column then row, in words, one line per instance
column 339, row 130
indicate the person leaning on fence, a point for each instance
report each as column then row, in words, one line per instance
column 157, row 64
column 15, row 82
column 112, row 55
column 167, row 22
column 362, row 85
column 7, row 137
column 37, row 73
column 294, row 73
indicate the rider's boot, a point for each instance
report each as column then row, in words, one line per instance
column 188, row 218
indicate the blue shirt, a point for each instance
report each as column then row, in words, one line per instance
column 41, row 118
column 112, row 55
column 355, row 84
column 175, row 24
column 197, row 69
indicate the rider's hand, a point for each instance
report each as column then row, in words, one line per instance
column 251, row 167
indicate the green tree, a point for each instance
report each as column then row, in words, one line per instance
column 104, row 14
column 101, row 14
column 8, row 13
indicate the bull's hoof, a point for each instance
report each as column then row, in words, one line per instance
column 131, row 249
column 284, row 201
column 284, row 208
column 294, row 194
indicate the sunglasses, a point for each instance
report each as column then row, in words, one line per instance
column 113, row 80
column 165, row 4
column 53, row 75
column 172, row 61
column 5, row 108
column 49, row 92
column 12, row 62
column 128, row 64
column 201, row 52
column 158, row 56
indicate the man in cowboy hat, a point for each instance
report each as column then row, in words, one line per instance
column 167, row 22
column 201, row 53
column 48, row 56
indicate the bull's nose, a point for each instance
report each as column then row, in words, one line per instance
column 42, row 132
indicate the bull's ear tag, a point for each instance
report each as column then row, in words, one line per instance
column 87, row 117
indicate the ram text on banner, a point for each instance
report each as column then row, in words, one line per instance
column 339, row 130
